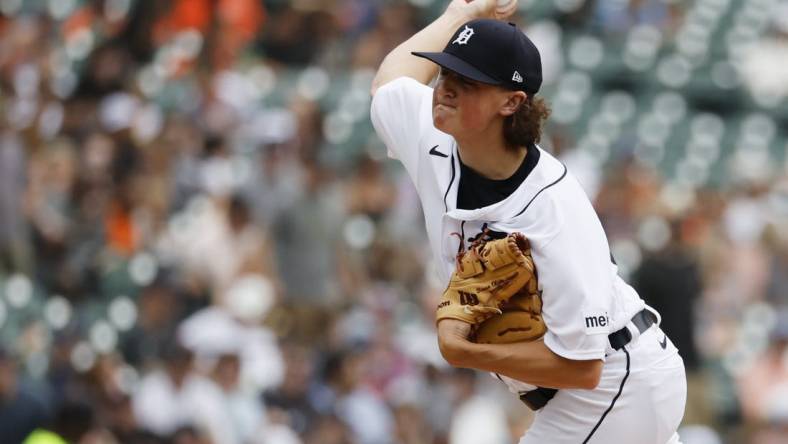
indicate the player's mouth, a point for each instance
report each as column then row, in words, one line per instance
column 444, row 106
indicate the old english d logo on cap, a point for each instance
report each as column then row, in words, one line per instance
column 464, row 36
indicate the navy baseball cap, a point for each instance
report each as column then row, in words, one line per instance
column 493, row 52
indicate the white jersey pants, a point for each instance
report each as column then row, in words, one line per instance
column 640, row 400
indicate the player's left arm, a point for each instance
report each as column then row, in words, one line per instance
column 531, row 362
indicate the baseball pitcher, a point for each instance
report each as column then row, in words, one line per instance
column 532, row 294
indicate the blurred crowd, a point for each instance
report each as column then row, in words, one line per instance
column 201, row 241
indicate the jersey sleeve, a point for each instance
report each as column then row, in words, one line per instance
column 401, row 113
column 577, row 288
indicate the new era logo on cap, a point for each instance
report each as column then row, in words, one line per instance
column 517, row 77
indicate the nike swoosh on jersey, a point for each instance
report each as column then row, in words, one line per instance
column 434, row 151
column 664, row 342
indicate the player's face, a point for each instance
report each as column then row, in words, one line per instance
column 461, row 106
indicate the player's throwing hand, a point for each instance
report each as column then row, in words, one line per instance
column 485, row 8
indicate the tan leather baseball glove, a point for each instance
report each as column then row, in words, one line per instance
column 487, row 275
column 520, row 321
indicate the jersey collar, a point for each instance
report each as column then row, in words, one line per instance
column 547, row 172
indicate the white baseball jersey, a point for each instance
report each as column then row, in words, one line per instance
column 583, row 297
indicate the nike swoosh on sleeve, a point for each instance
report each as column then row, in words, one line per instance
column 434, row 151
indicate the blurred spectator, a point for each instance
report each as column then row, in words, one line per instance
column 296, row 36
column 123, row 424
column 312, row 224
column 221, row 243
column 411, row 425
column 355, row 404
column 368, row 192
column 669, row 280
column 14, row 252
column 189, row 435
column 159, row 307
column 20, row 411
column 777, row 287
column 379, row 40
column 763, row 387
column 329, row 429
column 215, row 331
column 166, row 399
column 292, row 401
column 477, row 418
column 235, row 414
column 277, row 184
column 621, row 15
column 51, row 182
column 73, row 423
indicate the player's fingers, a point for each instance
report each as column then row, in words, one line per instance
column 506, row 11
column 476, row 8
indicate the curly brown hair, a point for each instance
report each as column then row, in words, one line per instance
column 524, row 127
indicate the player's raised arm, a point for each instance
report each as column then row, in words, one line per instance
column 401, row 63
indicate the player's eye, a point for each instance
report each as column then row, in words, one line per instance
column 458, row 80
column 465, row 82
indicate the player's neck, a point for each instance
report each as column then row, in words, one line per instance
column 491, row 160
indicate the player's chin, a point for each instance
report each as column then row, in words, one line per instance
column 442, row 122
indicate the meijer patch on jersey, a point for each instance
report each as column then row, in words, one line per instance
column 596, row 322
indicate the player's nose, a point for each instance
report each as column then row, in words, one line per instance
column 445, row 88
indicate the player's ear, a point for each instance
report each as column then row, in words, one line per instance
column 513, row 101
